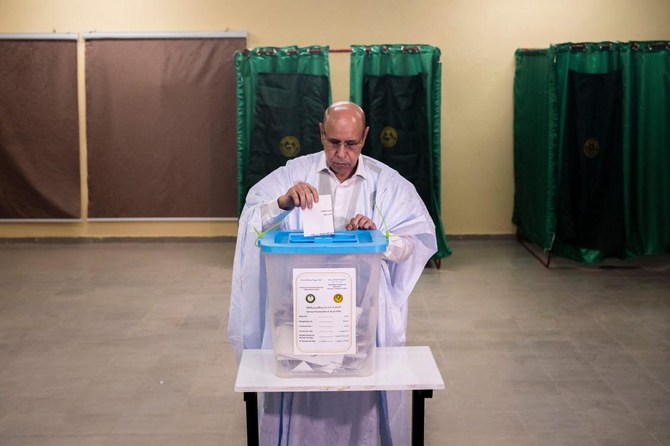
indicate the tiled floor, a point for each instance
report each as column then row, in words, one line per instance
column 125, row 344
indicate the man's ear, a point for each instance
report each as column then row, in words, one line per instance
column 365, row 134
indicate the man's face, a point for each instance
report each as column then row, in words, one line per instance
column 343, row 139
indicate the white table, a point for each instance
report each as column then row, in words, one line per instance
column 396, row 368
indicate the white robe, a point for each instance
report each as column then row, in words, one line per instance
column 332, row 418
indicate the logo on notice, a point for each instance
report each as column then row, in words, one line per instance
column 338, row 298
column 310, row 298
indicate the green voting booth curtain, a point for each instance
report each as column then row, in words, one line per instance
column 589, row 171
column 398, row 87
column 281, row 96
column 535, row 130
column 607, row 165
column 647, row 68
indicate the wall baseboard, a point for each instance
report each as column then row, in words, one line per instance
column 201, row 239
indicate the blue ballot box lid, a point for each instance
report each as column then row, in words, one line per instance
column 341, row 242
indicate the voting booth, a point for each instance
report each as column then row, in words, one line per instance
column 323, row 298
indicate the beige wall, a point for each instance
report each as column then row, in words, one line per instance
column 477, row 39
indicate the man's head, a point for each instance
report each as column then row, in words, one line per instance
column 343, row 134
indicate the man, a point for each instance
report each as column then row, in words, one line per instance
column 366, row 195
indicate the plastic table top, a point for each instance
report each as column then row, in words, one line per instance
column 396, row 368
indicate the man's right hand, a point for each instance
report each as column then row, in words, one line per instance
column 301, row 195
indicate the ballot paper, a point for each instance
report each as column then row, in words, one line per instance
column 308, row 363
column 318, row 220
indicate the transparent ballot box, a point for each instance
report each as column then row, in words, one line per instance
column 323, row 296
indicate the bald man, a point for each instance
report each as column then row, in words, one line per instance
column 366, row 194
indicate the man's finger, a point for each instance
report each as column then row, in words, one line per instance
column 295, row 196
column 309, row 198
column 315, row 193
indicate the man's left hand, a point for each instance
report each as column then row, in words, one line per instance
column 360, row 222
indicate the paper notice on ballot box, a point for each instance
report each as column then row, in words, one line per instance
column 324, row 302
column 319, row 219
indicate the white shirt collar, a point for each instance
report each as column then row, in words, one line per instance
column 361, row 171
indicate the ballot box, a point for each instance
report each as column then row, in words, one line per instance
column 323, row 296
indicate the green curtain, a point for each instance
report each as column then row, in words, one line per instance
column 535, row 130
column 647, row 68
column 398, row 87
column 586, row 58
column 590, row 207
column 612, row 149
column 281, row 96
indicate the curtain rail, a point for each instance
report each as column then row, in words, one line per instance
column 38, row 36
column 272, row 51
column 164, row 35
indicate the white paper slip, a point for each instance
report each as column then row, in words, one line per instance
column 319, row 219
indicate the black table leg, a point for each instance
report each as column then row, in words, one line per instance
column 252, row 418
column 418, row 411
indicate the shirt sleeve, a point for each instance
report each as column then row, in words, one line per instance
column 399, row 248
column 271, row 214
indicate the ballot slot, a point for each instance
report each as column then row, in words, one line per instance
column 323, row 299
column 338, row 237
